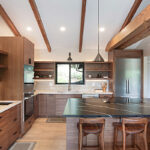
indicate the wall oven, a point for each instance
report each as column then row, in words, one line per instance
column 28, row 105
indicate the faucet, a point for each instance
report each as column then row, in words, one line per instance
column 69, row 85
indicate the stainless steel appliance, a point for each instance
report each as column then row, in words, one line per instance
column 28, row 91
column 28, row 105
column 128, row 77
column 90, row 95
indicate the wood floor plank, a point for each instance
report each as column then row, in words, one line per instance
column 48, row 136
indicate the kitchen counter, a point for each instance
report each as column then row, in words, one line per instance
column 112, row 110
column 113, row 107
column 70, row 92
column 6, row 107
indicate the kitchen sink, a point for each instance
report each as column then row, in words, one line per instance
column 5, row 103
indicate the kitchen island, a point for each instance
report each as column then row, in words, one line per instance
column 113, row 110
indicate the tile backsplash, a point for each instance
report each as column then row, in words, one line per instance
column 88, row 86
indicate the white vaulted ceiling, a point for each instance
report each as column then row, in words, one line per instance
column 67, row 13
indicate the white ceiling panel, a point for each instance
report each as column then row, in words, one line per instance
column 67, row 13
column 4, row 29
column 57, row 13
column 22, row 16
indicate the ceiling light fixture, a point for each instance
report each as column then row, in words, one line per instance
column 62, row 29
column 102, row 29
column 29, row 29
column 98, row 58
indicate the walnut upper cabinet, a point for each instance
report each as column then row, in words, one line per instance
column 28, row 52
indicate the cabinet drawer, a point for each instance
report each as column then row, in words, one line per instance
column 13, row 134
column 62, row 96
column 4, row 115
column 106, row 96
column 4, row 144
column 28, row 123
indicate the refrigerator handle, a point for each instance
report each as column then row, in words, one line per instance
column 128, row 86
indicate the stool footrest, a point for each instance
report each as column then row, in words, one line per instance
column 89, row 147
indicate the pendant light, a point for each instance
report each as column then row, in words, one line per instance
column 98, row 58
column 69, row 58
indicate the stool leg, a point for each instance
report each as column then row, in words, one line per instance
column 80, row 141
column 115, row 138
column 145, row 140
column 101, row 140
column 124, row 141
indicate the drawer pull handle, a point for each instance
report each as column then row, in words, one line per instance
column 0, row 130
column 15, row 133
column 1, row 147
column 0, row 117
column 15, row 119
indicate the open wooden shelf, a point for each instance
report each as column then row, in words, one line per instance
column 43, row 69
column 44, row 62
column 3, row 52
column 43, row 78
column 98, row 70
column 98, row 78
column 92, row 62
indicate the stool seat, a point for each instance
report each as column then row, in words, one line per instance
column 130, row 128
column 91, row 128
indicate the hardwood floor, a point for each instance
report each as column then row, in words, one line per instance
column 48, row 136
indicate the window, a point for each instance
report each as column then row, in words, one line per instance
column 72, row 73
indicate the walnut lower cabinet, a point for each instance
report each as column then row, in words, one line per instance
column 10, row 127
column 51, row 105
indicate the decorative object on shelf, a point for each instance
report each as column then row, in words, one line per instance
column 90, row 76
column 99, row 75
column 50, row 76
column 37, row 77
column 69, row 58
column 104, row 86
column 98, row 58
column 105, row 77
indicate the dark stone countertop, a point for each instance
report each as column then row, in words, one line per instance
column 113, row 107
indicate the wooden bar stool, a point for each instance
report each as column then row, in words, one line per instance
column 91, row 126
column 131, row 126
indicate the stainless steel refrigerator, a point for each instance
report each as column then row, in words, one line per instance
column 128, row 77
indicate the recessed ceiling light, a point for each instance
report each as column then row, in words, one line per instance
column 62, row 29
column 101, row 29
column 29, row 29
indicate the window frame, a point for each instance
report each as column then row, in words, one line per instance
column 69, row 63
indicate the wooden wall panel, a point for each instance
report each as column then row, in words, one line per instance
column 12, row 81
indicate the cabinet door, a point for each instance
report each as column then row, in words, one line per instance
column 36, row 107
column 42, row 105
column 28, row 52
column 51, row 105
column 61, row 101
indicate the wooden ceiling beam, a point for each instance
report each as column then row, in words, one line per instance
column 136, row 30
column 8, row 21
column 83, row 12
column 132, row 12
column 40, row 23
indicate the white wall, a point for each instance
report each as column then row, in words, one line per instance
column 62, row 55
column 145, row 45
